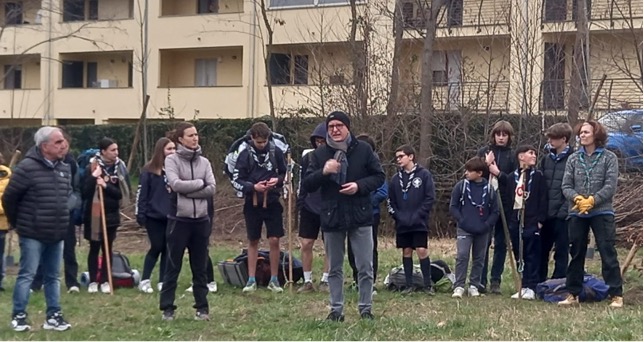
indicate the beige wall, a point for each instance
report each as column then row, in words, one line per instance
column 114, row 9
column 30, row 65
column 189, row 7
column 178, row 67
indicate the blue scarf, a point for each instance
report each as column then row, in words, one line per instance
column 553, row 152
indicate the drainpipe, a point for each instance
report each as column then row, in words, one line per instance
column 253, row 51
column 48, row 88
column 144, row 81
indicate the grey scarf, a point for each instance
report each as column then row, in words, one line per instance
column 340, row 148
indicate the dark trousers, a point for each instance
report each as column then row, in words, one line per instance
column 603, row 227
column 194, row 236
column 92, row 256
column 69, row 261
column 3, row 234
column 210, row 271
column 554, row 232
column 352, row 259
column 498, row 257
column 156, row 233
column 531, row 254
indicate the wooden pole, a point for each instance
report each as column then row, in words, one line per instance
column 629, row 257
column 289, row 217
column 106, row 243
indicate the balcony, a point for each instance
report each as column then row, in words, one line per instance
column 93, row 103
column 200, row 102
column 560, row 15
column 200, row 7
column 206, row 67
column 84, row 10
column 96, row 70
column 616, row 93
column 478, row 97
column 20, row 72
column 21, row 103
column 461, row 17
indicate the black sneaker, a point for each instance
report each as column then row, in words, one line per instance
column 56, row 322
column 168, row 315
column 335, row 317
column 408, row 290
column 19, row 322
column 428, row 290
column 367, row 315
column 495, row 288
column 202, row 315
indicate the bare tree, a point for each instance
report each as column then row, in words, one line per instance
column 578, row 96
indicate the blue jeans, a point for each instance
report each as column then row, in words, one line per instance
column 32, row 253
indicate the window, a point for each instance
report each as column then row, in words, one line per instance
column 439, row 68
column 455, row 13
column 554, row 62
column 73, row 10
column 93, row 9
column 286, row 69
column 205, row 72
column 554, row 10
column 574, row 9
column 207, row 6
column 92, row 75
column 13, row 13
column 130, row 74
column 72, row 74
column 13, row 76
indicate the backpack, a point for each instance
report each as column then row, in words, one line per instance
column 83, row 161
column 263, row 269
column 441, row 275
column 554, row 290
column 276, row 140
column 123, row 276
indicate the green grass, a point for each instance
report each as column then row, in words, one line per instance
column 131, row 315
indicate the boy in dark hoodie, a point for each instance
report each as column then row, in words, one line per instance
column 475, row 208
column 256, row 176
column 498, row 152
column 527, row 186
column 411, row 197
column 555, row 229
column 309, row 205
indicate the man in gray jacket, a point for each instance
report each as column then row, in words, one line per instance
column 36, row 205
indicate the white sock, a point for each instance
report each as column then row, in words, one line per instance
column 308, row 276
column 325, row 277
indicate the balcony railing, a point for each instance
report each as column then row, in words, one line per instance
column 612, row 10
column 616, row 93
column 459, row 13
column 479, row 97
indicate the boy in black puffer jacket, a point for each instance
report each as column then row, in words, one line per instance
column 475, row 208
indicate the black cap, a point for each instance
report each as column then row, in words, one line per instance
column 340, row 116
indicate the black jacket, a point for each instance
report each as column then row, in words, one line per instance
column 248, row 173
column 345, row 212
column 506, row 162
column 36, row 200
column 553, row 171
column 470, row 218
column 152, row 197
column 411, row 214
column 537, row 202
column 111, row 202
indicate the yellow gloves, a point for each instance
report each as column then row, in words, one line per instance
column 584, row 204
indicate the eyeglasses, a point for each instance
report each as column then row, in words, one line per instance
column 400, row 156
column 334, row 126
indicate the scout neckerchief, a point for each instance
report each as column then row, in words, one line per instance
column 589, row 170
column 266, row 164
column 469, row 196
column 405, row 188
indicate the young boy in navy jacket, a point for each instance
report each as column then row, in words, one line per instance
column 258, row 173
column 411, row 197
column 475, row 208
column 528, row 189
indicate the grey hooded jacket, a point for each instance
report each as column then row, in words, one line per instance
column 192, row 182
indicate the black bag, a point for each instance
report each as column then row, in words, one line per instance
column 395, row 280
column 263, row 269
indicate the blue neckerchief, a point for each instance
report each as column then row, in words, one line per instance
column 517, row 177
column 595, row 157
column 405, row 188
column 553, row 153
column 469, row 196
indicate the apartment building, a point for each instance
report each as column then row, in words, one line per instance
column 91, row 61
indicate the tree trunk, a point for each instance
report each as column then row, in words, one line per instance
column 575, row 94
column 359, row 62
column 426, row 105
column 392, row 101
column 267, row 63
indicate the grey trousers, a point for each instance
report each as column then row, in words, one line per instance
column 477, row 245
column 362, row 245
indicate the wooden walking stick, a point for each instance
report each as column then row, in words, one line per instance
column 630, row 256
column 289, row 217
column 506, row 231
column 106, row 243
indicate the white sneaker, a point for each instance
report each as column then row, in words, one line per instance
column 528, row 294
column 473, row 291
column 105, row 288
column 189, row 289
column 212, row 287
column 524, row 292
column 73, row 289
column 159, row 286
column 92, row 288
column 458, row 292
column 145, row 286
